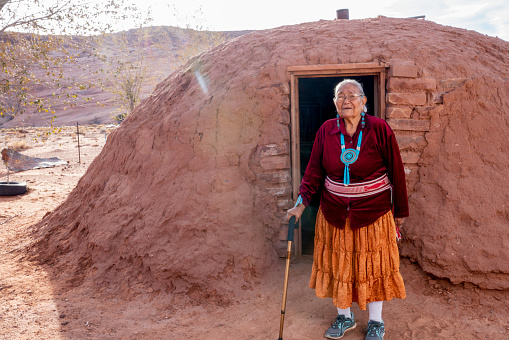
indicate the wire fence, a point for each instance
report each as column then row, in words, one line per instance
column 62, row 143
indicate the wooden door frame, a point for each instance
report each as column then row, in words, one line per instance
column 316, row 71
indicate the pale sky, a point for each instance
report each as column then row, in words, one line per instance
column 487, row 17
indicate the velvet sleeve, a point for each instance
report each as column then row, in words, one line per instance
column 314, row 175
column 396, row 172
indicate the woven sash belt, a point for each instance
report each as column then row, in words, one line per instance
column 358, row 189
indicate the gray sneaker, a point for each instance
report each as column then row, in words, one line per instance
column 375, row 330
column 339, row 326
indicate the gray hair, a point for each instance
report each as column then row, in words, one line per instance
column 346, row 82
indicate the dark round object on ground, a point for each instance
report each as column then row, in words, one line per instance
column 12, row 188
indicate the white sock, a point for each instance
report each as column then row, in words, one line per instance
column 375, row 311
column 345, row 312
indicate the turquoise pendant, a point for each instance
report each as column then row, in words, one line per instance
column 349, row 156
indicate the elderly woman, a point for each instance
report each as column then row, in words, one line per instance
column 356, row 159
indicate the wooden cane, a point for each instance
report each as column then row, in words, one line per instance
column 291, row 227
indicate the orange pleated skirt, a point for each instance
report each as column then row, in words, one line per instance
column 356, row 265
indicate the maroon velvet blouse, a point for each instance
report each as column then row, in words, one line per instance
column 379, row 155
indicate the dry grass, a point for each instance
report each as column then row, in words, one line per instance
column 18, row 145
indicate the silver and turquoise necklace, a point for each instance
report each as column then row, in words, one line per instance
column 349, row 156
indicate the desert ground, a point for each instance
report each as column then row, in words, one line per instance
column 35, row 305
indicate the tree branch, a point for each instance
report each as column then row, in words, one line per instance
column 52, row 11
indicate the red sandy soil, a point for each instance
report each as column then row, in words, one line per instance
column 34, row 306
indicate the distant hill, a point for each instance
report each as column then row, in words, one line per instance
column 162, row 49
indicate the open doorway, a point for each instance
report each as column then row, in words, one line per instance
column 315, row 107
column 312, row 104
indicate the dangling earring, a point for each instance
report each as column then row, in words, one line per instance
column 337, row 119
column 363, row 114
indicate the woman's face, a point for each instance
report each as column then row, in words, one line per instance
column 353, row 103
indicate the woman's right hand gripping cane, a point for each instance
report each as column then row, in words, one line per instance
column 295, row 211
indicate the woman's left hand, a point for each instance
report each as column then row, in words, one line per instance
column 399, row 221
